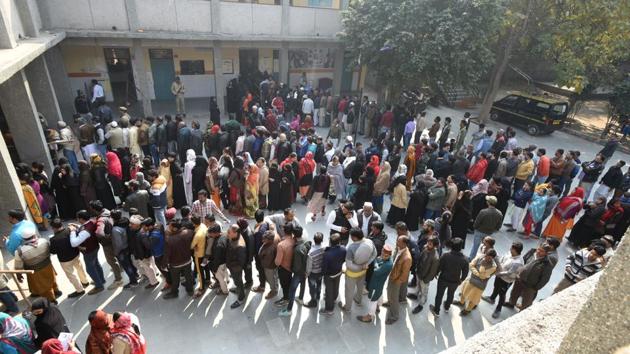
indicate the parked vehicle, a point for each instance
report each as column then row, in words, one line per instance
column 537, row 114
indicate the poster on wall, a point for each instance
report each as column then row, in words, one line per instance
column 311, row 58
column 228, row 66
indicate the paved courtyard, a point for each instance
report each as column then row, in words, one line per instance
column 208, row 325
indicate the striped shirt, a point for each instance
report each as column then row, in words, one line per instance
column 315, row 259
column 578, row 266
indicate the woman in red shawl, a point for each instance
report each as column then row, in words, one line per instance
column 125, row 338
column 271, row 123
column 478, row 170
column 305, row 173
column 564, row 213
column 99, row 340
column 308, row 122
column 611, row 216
column 375, row 164
column 114, row 172
column 54, row 346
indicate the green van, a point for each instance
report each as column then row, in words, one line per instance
column 537, row 114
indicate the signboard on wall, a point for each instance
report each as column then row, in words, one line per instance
column 228, row 66
column 311, row 58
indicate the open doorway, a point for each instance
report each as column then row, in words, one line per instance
column 121, row 75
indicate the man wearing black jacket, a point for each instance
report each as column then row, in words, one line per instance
column 178, row 257
column 453, row 269
column 68, row 257
column 235, row 260
column 533, row 277
column 171, row 135
column 216, row 258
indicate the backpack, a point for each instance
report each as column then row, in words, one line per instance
column 106, row 239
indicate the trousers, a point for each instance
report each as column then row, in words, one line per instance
column 285, row 282
column 500, row 289
column 331, row 282
column 443, row 286
column 393, row 298
column 353, row 290
column 527, row 294
column 176, row 273
column 69, row 268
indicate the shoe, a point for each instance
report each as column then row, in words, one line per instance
column 390, row 321
column 151, row 286
column 311, row 304
column 325, row 312
column 170, row 295
column 284, row 313
column 58, row 293
column 259, row 289
column 358, row 302
column 412, row 296
column 198, row 293
column 417, row 309
column 342, row 307
column 216, row 285
column 166, row 287
column 85, row 285
column 446, row 306
column 235, row 304
column 142, row 279
column 508, row 305
column 299, row 301
column 271, row 295
column 385, row 304
column 365, row 318
column 496, row 314
column 434, row 311
column 130, row 285
column 510, row 229
column 115, row 284
column 248, row 285
column 487, row 299
column 190, row 293
column 76, row 294
column 281, row 303
column 95, row 290
column 464, row 313
column 233, row 290
column 220, row 292
column 458, row 303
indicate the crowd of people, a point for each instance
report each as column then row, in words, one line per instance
column 155, row 194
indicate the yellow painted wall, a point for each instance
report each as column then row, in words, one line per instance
column 86, row 63
column 231, row 53
column 265, row 59
column 204, row 54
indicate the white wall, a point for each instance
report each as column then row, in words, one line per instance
column 199, row 85
column 84, row 14
column 12, row 16
column 306, row 21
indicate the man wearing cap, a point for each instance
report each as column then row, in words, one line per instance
column 308, row 106
column 34, row 254
column 178, row 90
column 125, row 118
column 366, row 217
column 382, row 267
column 488, row 221
column 114, row 136
column 68, row 138
column 427, row 267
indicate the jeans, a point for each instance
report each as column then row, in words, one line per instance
column 124, row 259
column 146, row 151
column 297, row 279
column 172, row 146
column 72, row 159
column 176, row 273
column 237, row 277
column 477, row 237
column 94, row 269
column 441, row 287
column 406, row 139
column 154, row 153
column 332, row 291
column 500, row 289
column 9, row 300
column 315, row 286
column 431, row 214
column 160, row 215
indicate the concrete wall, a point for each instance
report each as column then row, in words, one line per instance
column 307, row 21
column 238, row 18
column 12, row 17
column 84, row 63
column 175, row 16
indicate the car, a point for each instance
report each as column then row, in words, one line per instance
column 537, row 114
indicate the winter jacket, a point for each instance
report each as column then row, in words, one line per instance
column 428, row 265
column 453, row 267
column 536, row 272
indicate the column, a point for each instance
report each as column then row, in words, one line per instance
column 28, row 14
column 338, row 74
column 61, row 82
column 284, row 27
column 284, row 63
column 43, row 91
column 140, row 77
column 219, row 79
column 10, row 190
column 215, row 15
column 21, row 115
column 7, row 40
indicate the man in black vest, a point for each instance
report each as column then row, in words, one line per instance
column 366, row 217
column 341, row 220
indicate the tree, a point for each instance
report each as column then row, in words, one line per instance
column 413, row 43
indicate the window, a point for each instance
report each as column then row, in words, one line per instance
column 558, row 111
column 326, row 4
column 261, row 2
column 192, row 67
column 510, row 101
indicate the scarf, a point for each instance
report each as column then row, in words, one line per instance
column 480, row 188
column 100, row 332
column 16, row 333
column 307, row 165
column 124, row 331
column 374, row 163
column 611, row 212
column 571, row 204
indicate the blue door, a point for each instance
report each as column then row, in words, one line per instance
column 163, row 71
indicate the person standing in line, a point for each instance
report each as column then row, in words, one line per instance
column 120, row 247
column 612, row 179
column 267, row 256
column 147, row 247
column 198, row 246
column 178, row 90
column 533, row 277
column 34, row 254
column 488, row 221
column 216, row 258
column 332, row 264
column 341, row 220
column 314, row 269
column 284, row 259
column 103, row 234
column 426, row 270
column 235, row 261
column 177, row 257
column 382, row 268
column 298, row 268
column 68, row 257
column 481, row 269
column 83, row 237
column 581, row 265
column 453, row 269
column 508, row 268
column 398, row 278
column 360, row 254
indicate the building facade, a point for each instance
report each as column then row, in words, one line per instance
column 50, row 49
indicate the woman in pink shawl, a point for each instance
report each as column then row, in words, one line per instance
column 114, row 172
column 126, row 337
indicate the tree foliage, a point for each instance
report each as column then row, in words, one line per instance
column 424, row 42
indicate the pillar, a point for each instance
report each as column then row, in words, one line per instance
column 10, row 190
column 284, row 24
column 7, row 40
column 284, row 63
column 215, row 15
column 43, row 91
column 20, row 112
column 140, row 77
column 61, row 82
column 219, row 79
column 29, row 16
column 338, row 74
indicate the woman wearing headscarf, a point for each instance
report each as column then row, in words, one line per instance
column 16, row 336
column 306, row 170
column 402, row 171
column 410, row 162
column 30, row 196
column 375, row 164
column 444, row 229
column 394, row 157
column 199, row 176
column 610, row 218
column 287, row 185
column 427, row 178
column 125, row 163
column 400, row 201
column 380, row 187
column 481, row 269
column 98, row 171
column 584, row 229
column 335, row 171
column 125, row 338
column 213, row 182
column 236, row 181
column 251, row 190
column 462, row 215
column 479, row 193
column 188, row 167
column 54, row 346
column 165, row 172
column 66, row 187
column 226, row 164
column 39, row 176
column 49, row 321
column 177, row 176
column 564, row 213
column 87, row 190
column 114, row 172
column 99, row 340
column 318, row 193
column 417, row 199
column 535, row 211
column 274, row 186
